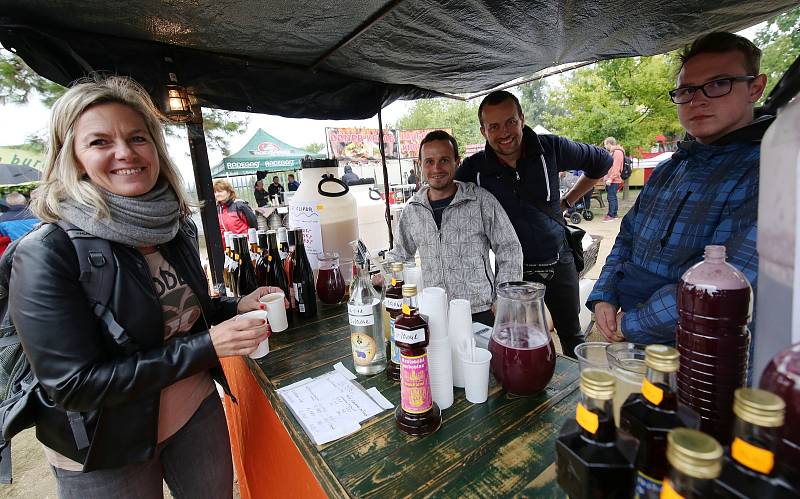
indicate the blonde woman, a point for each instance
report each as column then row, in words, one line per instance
column 149, row 409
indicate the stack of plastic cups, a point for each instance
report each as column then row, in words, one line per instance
column 459, row 329
column 433, row 307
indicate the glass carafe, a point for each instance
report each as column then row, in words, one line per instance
column 523, row 354
column 330, row 283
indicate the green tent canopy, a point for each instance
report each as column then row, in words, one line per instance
column 263, row 152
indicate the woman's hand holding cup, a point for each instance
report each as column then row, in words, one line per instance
column 239, row 337
column 251, row 302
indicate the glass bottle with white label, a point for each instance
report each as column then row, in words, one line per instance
column 392, row 304
column 417, row 413
column 303, row 279
column 366, row 323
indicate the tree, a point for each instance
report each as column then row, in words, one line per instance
column 314, row 147
column 536, row 103
column 19, row 84
column 460, row 116
column 779, row 41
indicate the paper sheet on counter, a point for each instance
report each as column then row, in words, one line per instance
column 330, row 406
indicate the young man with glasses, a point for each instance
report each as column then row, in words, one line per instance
column 706, row 193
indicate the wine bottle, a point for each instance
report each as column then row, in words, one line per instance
column 246, row 281
column 252, row 238
column 233, row 269
column 262, row 261
column 303, row 279
column 276, row 276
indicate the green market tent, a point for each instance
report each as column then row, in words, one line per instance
column 263, row 152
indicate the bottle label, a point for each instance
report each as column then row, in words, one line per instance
column 361, row 320
column 646, row 486
column 415, row 387
column 755, row 458
column 298, row 292
column 651, row 392
column 364, row 348
column 667, row 492
column 394, row 350
column 586, row 418
column 410, row 337
column 393, row 303
column 360, row 309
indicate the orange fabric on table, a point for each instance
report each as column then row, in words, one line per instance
column 268, row 463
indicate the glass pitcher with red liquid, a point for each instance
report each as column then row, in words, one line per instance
column 523, row 354
column 330, row 282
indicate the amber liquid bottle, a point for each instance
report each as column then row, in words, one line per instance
column 226, row 274
column 592, row 459
column 417, row 413
column 695, row 459
column 303, row 279
column 750, row 467
column 392, row 304
column 650, row 415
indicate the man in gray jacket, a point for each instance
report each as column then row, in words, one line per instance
column 454, row 224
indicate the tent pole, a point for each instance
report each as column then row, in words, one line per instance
column 205, row 193
column 388, row 214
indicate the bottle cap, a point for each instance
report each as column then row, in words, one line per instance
column 409, row 290
column 396, row 266
column 597, row 384
column 661, row 358
column 694, row 453
column 759, row 407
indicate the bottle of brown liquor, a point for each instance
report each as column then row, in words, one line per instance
column 696, row 460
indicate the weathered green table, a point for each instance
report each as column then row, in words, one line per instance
column 504, row 447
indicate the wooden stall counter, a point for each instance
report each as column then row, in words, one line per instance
column 502, row 448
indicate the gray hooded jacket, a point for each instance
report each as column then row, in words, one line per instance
column 456, row 257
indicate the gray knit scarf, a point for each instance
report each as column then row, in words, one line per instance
column 146, row 220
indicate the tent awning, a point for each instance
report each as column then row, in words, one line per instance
column 263, row 152
column 345, row 59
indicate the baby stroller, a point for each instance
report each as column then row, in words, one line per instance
column 580, row 209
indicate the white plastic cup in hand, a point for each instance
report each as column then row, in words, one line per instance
column 263, row 347
column 276, row 311
column 476, row 375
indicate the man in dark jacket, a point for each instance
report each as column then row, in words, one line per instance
column 262, row 198
column 521, row 169
column 349, row 177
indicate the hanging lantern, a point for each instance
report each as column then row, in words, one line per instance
column 178, row 107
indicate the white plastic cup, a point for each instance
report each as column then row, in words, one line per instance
column 276, row 311
column 440, row 372
column 459, row 329
column 434, row 309
column 476, row 375
column 263, row 347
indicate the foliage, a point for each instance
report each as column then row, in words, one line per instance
column 461, row 116
column 536, row 104
column 623, row 98
column 19, row 84
column 780, row 45
column 314, row 147
column 25, row 188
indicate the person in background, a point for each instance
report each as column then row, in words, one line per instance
column 262, row 198
column 454, row 225
column 521, row 168
column 706, row 193
column 412, row 179
column 613, row 179
column 276, row 189
column 17, row 221
column 234, row 215
column 120, row 414
column 349, row 177
column 292, row 184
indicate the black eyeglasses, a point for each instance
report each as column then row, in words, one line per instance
column 711, row 89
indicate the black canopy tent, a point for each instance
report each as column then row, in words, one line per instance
column 344, row 59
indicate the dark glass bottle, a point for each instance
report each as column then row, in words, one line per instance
column 750, row 465
column 276, row 275
column 650, row 415
column 696, row 460
column 303, row 279
column 417, row 413
column 252, row 238
column 246, row 281
column 592, row 459
column 392, row 304
column 226, row 274
column 262, row 261
column 233, row 269
column 287, row 259
column 782, row 377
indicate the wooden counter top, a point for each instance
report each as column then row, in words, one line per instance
column 504, row 447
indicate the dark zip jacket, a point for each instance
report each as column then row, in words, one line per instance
column 534, row 183
column 82, row 368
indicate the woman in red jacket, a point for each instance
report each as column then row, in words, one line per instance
column 613, row 177
column 234, row 216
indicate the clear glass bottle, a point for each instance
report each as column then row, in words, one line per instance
column 592, row 458
column 696, row 460
column 417, row 413
column 650, row 415
column 750, row 467
column 366, row 321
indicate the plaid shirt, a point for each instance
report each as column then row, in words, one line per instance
column 703, row 194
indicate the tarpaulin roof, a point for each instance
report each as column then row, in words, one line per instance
column 263, row 152
column 347, row 58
